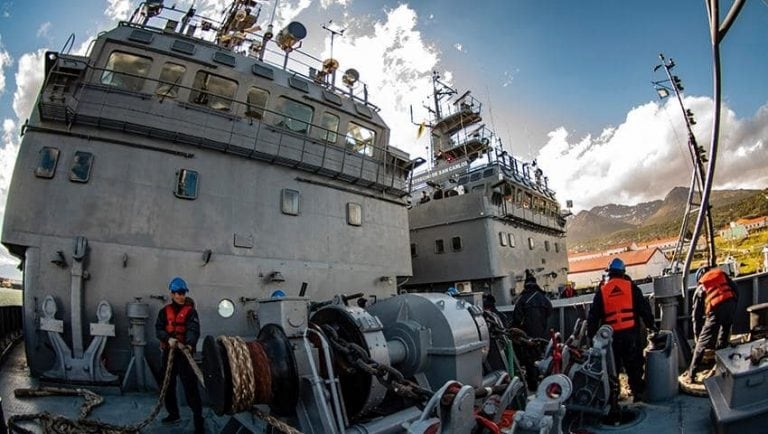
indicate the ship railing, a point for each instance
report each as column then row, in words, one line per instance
column 295, row 60
column 752, row 289
column 242, row 128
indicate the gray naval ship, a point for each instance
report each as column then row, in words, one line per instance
column 275, row 193
column 480, row 217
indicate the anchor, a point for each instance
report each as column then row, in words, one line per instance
column 75, row 364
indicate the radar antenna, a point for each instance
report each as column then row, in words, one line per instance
column 695, row 204
column 331, row 60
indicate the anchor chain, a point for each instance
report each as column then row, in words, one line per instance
column 388, row 376
column 58, row 424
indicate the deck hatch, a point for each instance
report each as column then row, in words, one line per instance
column 81, row 167
column 263, row 71
column 299, row 84
column 224, row 59
column 46, row 163
column 183, row 47
column 141, row 36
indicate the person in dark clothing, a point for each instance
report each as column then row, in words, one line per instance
column 178, row 327
column 531, row 314
column 619, row 303
column 713, row 311
column 532, row 309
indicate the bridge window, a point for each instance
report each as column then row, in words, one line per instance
column 213, row 91
column 186, row 184
column 126, row 71
column 439, row 246
column 456, row 244
column 354, row 214
column 360, row 139
column 81, row 167
column 289, row 201
column 295, row 117
column 46, row 162
column 256, row 102
column 329, row 127
column 170, row 78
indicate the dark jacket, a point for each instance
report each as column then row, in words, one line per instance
column 193, row 325
column 532, row 311
column 640, row 305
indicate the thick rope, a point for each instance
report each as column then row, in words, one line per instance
column 239, row 357
column 241, row 366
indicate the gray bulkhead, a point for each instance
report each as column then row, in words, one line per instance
column 490, row 249
column 228, row 240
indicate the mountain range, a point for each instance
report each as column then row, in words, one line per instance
column 615, row 223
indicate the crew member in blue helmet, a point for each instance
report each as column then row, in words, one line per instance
column 178, row 327
column 619, row 303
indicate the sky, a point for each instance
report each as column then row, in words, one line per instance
column 563, row 82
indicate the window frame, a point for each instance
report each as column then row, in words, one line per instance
column 285, row 120
column 203, row 97
column 439, row 246
column 113, row 74
column 180, row 177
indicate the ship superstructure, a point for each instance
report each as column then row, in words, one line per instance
column 480, row 217
column 161, row 153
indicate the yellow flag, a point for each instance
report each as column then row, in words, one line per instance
column 422, row 127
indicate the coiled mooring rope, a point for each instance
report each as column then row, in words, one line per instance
column 248, row 361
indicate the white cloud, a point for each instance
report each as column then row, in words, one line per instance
column 42, row 31
column 29, row 78
column 8, row 152
column 118, row 9
column 459, row 47
column 647, row 155
column 325, row 4
column 396, row 64
column 5, row 61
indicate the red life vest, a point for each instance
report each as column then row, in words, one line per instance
column 617, row 304
column 176, row 323
column 716, row 288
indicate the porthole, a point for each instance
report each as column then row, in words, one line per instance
column 226, row 308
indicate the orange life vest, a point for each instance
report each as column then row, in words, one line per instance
column 176, row 323
column 617, row 304
column 716, row 288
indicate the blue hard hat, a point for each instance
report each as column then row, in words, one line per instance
column 178, row 285
column 277, row 294
column 452, row 291
column 616, row 265
column 700, row 272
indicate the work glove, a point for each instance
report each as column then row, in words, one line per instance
column 172, row 342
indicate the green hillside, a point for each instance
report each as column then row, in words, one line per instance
column 755, row 205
